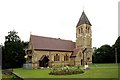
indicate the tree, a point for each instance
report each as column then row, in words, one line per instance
column 117, row 46
column 12, row 36
column 104, row 54
column 13, row 51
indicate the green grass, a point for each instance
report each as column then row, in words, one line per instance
column 7, row 76
column 96, row 71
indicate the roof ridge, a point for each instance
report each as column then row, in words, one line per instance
column 52, row 38
column 41, row 42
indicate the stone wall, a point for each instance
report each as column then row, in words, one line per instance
column 37, row 54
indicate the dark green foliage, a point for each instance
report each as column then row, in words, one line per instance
column 117, row 46
column 106, row 53
column 12, row 36
column 13, row 52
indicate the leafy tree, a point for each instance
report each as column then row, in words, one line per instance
column 104, row 54
column 13, row 51
column 117, row 46
column 12, row 36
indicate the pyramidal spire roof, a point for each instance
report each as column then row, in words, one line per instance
column 83, row 20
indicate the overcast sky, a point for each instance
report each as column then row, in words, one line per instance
column 58, row 19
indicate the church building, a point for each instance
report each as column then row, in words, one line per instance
column 50, row 52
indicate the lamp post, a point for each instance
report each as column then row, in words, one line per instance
column 86, row 65
column 83, row 58
column 86, row 57
column 87, row 50
column 26, row 56
column 83, row 54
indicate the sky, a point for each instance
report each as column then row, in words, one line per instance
column 58, row 19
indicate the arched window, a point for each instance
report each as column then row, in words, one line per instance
column 56, row 57
column 66, row 58
column 81, row 30
column 88, row 29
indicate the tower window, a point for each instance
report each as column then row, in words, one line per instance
column 56, row 57
column 88, row 29
column 81, row 30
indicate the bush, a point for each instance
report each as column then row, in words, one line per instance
column 65, row 71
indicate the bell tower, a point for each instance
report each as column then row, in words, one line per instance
column 84, row 38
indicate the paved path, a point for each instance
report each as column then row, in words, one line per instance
column 106, row 67
column 96, row 66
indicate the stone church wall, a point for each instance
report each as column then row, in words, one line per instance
column 38, row 54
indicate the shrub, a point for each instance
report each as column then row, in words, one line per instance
column 65, row 71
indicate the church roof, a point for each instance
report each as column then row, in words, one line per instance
column 83, row 20
column 47, row 43
column 75, row 51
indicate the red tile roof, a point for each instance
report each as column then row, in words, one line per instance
column 47, row 43
column 75, row 51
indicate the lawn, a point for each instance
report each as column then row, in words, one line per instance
column 7, row 76
column 96, row 71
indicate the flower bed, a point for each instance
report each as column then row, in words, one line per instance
column 66, row 71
